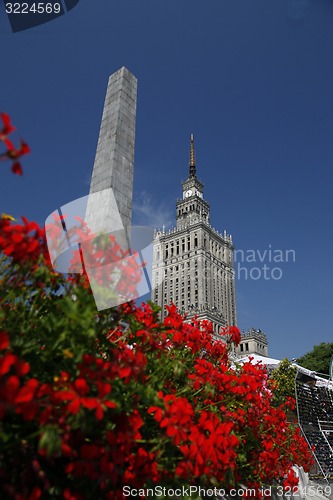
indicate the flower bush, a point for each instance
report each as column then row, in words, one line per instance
column 93, row 401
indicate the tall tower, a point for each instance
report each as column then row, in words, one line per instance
column 110, row 202
column 193, row 265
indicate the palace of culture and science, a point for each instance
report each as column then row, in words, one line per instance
column 193, row 266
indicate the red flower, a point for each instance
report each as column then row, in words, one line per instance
column 4, row 341
column 291, row 479
column 27, row 392
column 12, row 153
column 16, row 168
column 75, row 397
column 232, row 334
column 6, row 362
column 22, row 242
column 142, row 464
column 178, row 415
column 7, row 127
column 10, row 388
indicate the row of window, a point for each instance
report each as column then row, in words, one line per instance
column 194, row 207
column 182, row 245
column 179, row 274
column 244, row 347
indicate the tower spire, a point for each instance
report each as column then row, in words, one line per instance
column 192, row 158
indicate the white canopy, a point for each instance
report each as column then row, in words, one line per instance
column 273, row 363
column 257, row 359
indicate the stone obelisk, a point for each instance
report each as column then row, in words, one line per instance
column 109, row 206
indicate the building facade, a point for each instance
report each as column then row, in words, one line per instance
column 193, row 264
column 254, row 341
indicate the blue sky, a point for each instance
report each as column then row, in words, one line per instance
column 252, row 80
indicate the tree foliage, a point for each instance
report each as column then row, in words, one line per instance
column 284, row 379
column 318, row 359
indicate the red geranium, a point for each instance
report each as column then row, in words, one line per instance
column 12, row 153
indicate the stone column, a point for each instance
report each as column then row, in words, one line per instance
column 109, row 206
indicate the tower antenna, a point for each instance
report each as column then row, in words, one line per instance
column 192, row 158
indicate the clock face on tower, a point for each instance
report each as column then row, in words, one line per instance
column 188, row 193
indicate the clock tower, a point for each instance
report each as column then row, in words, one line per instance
column 192, row 207
column 193, row 264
